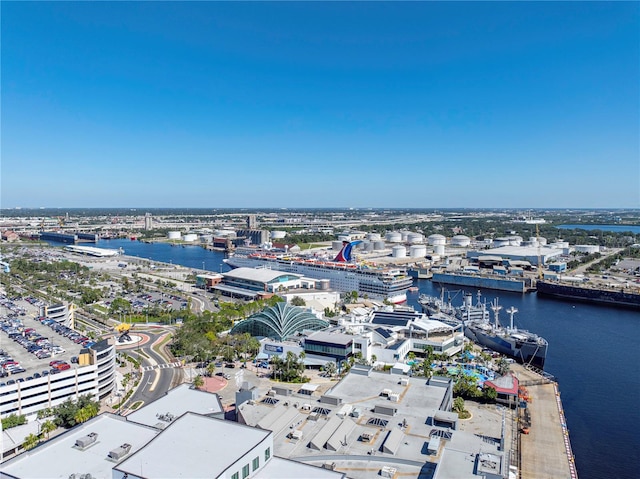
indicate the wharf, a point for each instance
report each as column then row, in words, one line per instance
column 545, row 453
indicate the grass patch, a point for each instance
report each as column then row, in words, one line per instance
column 136, row 405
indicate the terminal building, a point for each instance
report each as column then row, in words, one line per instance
column 255, row 283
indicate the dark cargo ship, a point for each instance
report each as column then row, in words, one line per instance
column 611, row 297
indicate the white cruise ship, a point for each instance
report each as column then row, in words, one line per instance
column 390, row 283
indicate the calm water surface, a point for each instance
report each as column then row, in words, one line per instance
column 593, row 352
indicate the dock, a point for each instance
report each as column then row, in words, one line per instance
column 545, row 452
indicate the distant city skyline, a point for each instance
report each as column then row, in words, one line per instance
column 320, row 104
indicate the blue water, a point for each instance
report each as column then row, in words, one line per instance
column 192, row 256
column 593, row 352
column 613, row 228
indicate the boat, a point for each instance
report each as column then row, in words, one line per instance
column 612, row 296
column 486, row 281
column 519, row 344
column 372, row 281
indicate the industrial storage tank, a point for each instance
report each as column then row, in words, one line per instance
column 367, row 246
column 418, row 251
column 399, row 251
column 174, row 235
column 394, row 237
column 515, row 240
column 415, row 238
column 439, row 249
column 190, row 237
column 278, row 234
column 500, row 242
column 373, row 236
column 460, row 240
column 405, row 236
column 436, row 239
column 378, row 245
column 336, row 245
column 587, row 248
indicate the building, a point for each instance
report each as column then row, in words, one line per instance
column 280, row 322
column 94, row 374
column 256, row 237
column 252, row 283
column 189, row 445
column 148, row 221
column 252, row 222
column 208, row 281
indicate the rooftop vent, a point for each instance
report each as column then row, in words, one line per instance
column 120, row 452
column 87, row 440
column 168, row 417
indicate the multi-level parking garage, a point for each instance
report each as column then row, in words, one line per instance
column 44, row 362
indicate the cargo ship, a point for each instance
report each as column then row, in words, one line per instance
column 516, row 285
column 375, row 282
column 612, row 297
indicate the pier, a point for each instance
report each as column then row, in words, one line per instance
column 545, row 452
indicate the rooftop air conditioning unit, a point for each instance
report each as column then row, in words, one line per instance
column 119, row 452
column 87, row 440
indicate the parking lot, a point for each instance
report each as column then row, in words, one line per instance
column 29, row 344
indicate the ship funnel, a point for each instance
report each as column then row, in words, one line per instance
column 511, row 311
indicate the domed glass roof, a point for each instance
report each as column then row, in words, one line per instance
column 279, row 322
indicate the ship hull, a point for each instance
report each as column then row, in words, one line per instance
column 523, row 352
column 476, row 281
column 591, row 295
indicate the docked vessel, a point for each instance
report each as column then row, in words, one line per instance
column 611, row 297
column 514, row 284
column 521, row 345
column 376, row 282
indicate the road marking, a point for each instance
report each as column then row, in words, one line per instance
column 162, row 366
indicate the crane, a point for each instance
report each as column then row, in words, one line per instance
column 540, row 275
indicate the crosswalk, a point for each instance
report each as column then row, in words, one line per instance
column 162, row 366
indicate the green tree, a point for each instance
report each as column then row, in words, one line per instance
column 198, row 382
column 298, row 301
column 13, row 420
column 489, row 394
column 47, row 428
column 458, row 405
column 30, row 442
column 211, row 369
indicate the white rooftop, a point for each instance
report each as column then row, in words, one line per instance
column 258, row 274
column 176, row 402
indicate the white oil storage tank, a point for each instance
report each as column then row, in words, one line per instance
column 460, row 240
column 373, row 236
column 418, row 251
column 436, row 239
column 174, row 235
column 378, row 245
column 278, row 234
column 587, row 248
column 394, row 237
column 497, row 242
column 367, row 246
column 399, row 251
column 414, row 238
column 405, row 236
column 439, row 250
column 190, row 237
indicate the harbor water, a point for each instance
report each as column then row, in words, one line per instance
column 593, row 353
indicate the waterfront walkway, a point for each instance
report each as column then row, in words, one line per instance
column 545, row 453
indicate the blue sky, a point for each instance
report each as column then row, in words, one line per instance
column 314, row 104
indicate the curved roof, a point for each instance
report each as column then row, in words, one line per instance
column 280, row 322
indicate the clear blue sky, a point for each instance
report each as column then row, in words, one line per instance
column 418, row 104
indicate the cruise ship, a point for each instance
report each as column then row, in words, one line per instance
column 375, row 282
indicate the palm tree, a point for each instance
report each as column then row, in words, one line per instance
column 48, row 427
column 198, row 382
column 374, row 358
column 30, row 442
column 211, row 369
